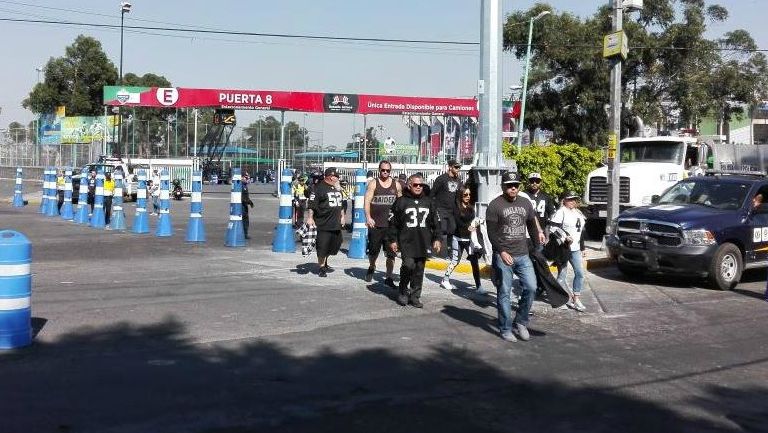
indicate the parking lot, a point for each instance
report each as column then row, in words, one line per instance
column 136, row 333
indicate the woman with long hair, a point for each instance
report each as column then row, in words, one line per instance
column 461, row 242
column 571, row 222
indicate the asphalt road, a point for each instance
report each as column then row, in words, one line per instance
column 136, row 333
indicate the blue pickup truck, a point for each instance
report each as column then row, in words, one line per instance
column 712, row 226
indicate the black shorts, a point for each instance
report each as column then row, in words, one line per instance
column 377, row 239
column 328, row 243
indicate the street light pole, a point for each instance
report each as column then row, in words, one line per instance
column 524, row 95
column 614, row 178
column 125, row 8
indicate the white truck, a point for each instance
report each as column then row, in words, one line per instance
column 649, row 165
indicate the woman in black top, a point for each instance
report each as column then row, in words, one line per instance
column 461, row 239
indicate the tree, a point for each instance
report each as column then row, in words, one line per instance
column 673, row 77
column 75, row 80
column 296, row 137
column 17, row 133
column 146, row 126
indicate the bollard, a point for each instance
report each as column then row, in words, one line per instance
column 98, row 219
column 15, row 290
column 66, row 208
column 18, row 199
column 141, row 219
column 195, row 228
column 44, row 199
column 359, row 242
column 283, row 241
column 82, row 199
column 164, row 224
column 117, row 222
column 52, row 206
column 235, row 236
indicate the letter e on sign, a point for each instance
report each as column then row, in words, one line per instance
column 167, row 96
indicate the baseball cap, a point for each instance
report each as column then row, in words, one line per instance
column 570, row 195
column 331, row 171
column 509, row 177
column 534, row 175
column 453, row 162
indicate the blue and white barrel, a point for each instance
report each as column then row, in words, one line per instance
column 195, row 228
column 235, row 236
column 66, row 209
column 98, row 218
column 15, row 290
column 52, row 205
column 141, row 219
column 164, row 228
column 44, row 199
column 359, row 242
column 18, row 198
column 117, row 222
column 283, row 241
column 81, row 217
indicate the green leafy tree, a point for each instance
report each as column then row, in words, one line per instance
column 269, row 129
column 75, row 80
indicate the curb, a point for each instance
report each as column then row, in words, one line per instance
column 485, row 270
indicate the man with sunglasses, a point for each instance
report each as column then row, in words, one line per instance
column 443, row 193
column 508, row 216
column 380, row 194
column 324, row 212
column 414, row 227
column 543, row 204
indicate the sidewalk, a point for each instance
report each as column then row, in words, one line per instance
column 596, row 257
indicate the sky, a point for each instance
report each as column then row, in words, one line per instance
column 264, row 63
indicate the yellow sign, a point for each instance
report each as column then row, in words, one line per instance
column 615, row 44
column 611, row 153
column 612, row 141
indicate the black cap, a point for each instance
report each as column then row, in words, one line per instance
column 453, row 162
column 331, row 171
column 570, row 194
column 510, row 177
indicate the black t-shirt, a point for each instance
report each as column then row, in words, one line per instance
column 464, row 218
column 325, row 202
column 443, row 191
column 507, row 221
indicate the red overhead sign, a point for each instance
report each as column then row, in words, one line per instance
column 177, row 97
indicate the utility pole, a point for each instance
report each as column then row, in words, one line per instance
column 614, row 121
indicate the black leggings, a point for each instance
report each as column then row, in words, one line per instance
column 457, row 248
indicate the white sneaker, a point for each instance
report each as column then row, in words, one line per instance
column 446, row 285
column 578, row 306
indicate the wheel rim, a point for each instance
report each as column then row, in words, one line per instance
column 728, row 267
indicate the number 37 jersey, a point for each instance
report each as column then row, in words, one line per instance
column 325, row 202
column 414, row 224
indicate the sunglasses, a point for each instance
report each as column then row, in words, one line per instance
column 417, row 185
column 457, row 167
column 385, row 170
column 512, row 185
column 466, row 194
column 534, row 180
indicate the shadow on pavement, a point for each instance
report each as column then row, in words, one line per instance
column 142, row 378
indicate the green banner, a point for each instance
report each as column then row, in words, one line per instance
column 83, row 129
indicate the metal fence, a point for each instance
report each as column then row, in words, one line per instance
column 60, row 155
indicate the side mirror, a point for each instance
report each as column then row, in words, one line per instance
column 655, row 198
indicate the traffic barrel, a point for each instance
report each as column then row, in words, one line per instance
column 52, row 206
column 66, row 209
column 195, row 228
column 359, row 242
column 18, row 199
column 235, row 236
column 164, row 228
column 117, row 220
column 44, row 199
column 141, row 219
column 82, row 199
column 98, row 218
column 15, row 290
column 283, row 241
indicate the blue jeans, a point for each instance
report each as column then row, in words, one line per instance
column 578, row 272
column 523, row 268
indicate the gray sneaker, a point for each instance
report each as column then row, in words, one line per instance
column 508, row 336
column 522, row 332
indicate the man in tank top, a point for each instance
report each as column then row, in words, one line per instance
column 380, row 193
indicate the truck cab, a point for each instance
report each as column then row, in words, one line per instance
column 712, row 226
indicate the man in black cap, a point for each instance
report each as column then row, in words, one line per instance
column 324, row 212
column 508, row 216
column 443, row 193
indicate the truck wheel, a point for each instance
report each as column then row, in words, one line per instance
column 631, row 271
column 726, row 267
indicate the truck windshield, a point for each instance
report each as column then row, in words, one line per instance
column 718, row 195
column 653, row 151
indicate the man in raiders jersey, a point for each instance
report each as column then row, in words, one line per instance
column 543, row 205
column 414, row 227
column 324, row 212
